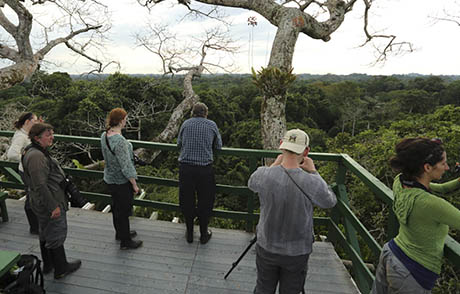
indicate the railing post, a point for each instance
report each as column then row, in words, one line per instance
column 250, row 206
column 11, row 174
column 393, row 225
column 350, row 232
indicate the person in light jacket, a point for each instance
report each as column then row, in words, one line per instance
column 19, row 141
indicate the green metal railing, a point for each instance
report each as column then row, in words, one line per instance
column 343, row 226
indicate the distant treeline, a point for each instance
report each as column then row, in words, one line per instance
column 325, row 78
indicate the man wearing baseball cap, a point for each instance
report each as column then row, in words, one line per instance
column 287, row 190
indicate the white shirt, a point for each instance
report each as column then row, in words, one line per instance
column 18, row 143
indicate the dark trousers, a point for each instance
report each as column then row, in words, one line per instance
column 122, row 208
column 289, row 271
column 31, row 217
column 197, row 191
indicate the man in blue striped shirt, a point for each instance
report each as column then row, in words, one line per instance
column 198, row 136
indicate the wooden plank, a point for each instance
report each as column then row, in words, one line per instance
column 166, row 263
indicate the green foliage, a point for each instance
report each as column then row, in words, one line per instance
column 78, row 164
column 273, row 81
column 363, row 117
column 246, row 134
column 451, row 94
column 384, row 84
column 431, row 84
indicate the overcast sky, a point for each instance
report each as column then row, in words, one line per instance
column 437, row 44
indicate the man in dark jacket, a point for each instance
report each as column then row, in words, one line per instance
column 46, row 182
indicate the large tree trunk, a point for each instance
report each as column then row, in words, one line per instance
column 273, row 114
column 190, row 98
column 19, row 28
column 172, row 128
column 17, row 73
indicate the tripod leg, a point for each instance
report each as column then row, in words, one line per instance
column 241, row 257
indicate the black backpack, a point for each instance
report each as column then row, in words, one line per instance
column 29, row 279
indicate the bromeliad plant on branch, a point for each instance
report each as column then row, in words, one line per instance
column 272, row 81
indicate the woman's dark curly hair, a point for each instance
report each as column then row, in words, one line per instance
column 413, row 153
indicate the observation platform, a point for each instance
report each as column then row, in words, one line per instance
column 166, row 263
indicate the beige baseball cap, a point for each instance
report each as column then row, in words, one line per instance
column 295, row 140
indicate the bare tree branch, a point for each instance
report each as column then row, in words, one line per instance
column 177, row 59
column 79, row 18
column 449, row 16
column 319, row 21
column 396, row 48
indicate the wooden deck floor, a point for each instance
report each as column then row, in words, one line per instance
column 166, row 263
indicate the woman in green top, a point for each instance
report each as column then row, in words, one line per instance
column 120, row 176
column 411, row 262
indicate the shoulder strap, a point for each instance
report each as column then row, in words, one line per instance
column 108, row 145
column 413, row 184
column 296, row 183
column 50, row 160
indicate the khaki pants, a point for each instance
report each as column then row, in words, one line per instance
column 392, row 277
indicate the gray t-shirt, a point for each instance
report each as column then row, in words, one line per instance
column 286, row 215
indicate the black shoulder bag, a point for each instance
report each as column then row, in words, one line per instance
column 29, row 279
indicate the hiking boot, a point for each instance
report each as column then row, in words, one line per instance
column 46, row 258
column 71, row 267
column 205, row 238
column 131, row 244
column 61, row 267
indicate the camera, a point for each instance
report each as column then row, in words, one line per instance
column 73, row 194
column 457, row 167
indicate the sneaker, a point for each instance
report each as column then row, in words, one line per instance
column 204, row 239
column 132, row 234
column 131, row 244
